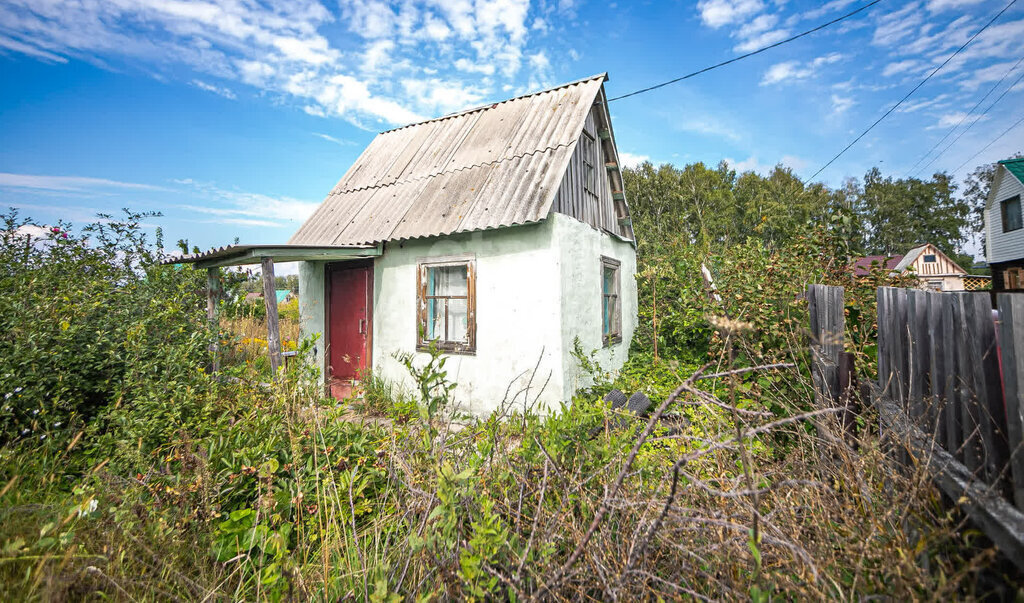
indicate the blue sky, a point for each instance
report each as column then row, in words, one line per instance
column 234, row 118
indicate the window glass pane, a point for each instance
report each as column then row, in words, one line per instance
column 447, row 280
column 608, row 280
column 929, row 258
column 1011, row 214
column 458, row 320
column 435, row 319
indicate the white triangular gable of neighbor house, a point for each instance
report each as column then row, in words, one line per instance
column 510, row 217
column 1002, row 245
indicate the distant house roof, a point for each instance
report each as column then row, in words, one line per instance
column 1015, row 167
column 862, row 266
column 282, row 294
column 899, row 263
column 489, row 167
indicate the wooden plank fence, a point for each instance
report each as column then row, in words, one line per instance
column 950, row 387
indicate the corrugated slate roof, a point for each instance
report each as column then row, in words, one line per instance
column 489, row 167
column 1015, row 167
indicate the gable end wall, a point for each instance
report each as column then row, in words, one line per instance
column 572, row 199
column 1003, row 246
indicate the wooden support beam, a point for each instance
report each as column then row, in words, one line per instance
column 213, row 294
column 270, row 303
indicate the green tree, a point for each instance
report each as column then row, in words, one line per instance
column 901, row 213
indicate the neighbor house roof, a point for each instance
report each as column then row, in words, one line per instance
column 282, row 294
column 1015, row 167
column 490, row 167
column 862, row 266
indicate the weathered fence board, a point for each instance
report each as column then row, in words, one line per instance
column 826, row 308
column 950, row 392
column 1011, row 340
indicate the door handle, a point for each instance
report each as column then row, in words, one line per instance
column 362, row 326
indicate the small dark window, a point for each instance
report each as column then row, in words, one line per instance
column 589, row 159
column 446, row 295
column 929, row 258
column 611, row 306
column 1011, row 214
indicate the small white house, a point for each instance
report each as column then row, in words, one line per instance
column 500, row 233
column 1004, row 226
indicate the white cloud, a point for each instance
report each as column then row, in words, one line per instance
column 941, row 5
column 752, row 164
column 935, row 102
column 949, row 120
column 249, row 209
column 717, row 13
column 631, row 160
column 897, row 25
column 337, row 141
column 294, row 49
column 710, row 126
column 900, row 67
column 761, row 40
column 32, row 51
column 829, row 7
column 789, row 71
column 841, row 104
column 225, row 92
column 67, row 183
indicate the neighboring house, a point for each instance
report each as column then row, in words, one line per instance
column 499, row 233
column 934, row 269
column 284, row 295
column 1004, row 226
column 253, row 297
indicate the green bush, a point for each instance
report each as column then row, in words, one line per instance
column 84, row 316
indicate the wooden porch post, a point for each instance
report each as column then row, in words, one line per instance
column 213, row 293
column 270, row 302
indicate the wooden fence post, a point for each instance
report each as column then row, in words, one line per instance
column 1011, row 342
column 951, row 379
column 918, row 363
column 270, row 303
column 988, row 389
column 826, row 309
column 213, row 294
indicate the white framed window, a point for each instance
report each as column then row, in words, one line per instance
column 929, row 258
column 446, row 304
column 611, row 302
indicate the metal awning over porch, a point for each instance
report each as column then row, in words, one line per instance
column 265, row 256
column 241, row 255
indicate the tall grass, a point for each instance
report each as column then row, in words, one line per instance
column 738, row 504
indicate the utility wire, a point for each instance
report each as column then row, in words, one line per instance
column 749, row 54
column 991, row 142
column 976, row 120
column 962, row 120
column 908, row 94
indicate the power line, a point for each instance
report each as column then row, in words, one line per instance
column 976, row 120
column 908, row 94
column 991, row 142
column 749, row 54
column 962, row 120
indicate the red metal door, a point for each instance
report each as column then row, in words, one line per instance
column 349, row 327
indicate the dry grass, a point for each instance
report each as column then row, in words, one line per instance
column 741, row 504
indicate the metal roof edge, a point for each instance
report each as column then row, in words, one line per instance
column 603, row 76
